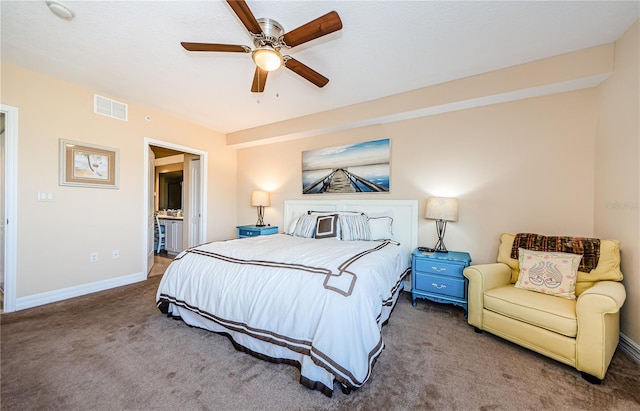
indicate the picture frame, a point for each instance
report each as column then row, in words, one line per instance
column 354, row 168
column 88, row 165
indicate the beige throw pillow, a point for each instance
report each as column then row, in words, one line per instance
column 549, row 273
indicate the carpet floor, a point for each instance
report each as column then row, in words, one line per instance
column 114, row 350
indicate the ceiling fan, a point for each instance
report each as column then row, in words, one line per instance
column 269, row 39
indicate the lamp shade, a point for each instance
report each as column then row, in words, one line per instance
column 442, row 208
column 260, row 198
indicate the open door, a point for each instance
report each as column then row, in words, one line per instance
column 2, row 217
column 9, row 205
column 194, row 195
column 194, row 203
column 150, row 208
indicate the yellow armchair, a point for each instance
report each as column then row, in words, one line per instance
column 582, row 333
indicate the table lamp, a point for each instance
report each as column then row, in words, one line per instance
column 441, row 209
column 261, row 200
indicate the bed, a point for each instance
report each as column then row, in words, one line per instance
column 318, row 303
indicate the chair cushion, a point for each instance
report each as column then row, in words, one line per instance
column 545, row 311
column 608, row 264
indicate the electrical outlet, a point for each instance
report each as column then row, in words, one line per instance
column 93, row 257
column 115, row 254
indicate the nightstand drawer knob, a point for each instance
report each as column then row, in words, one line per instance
column 439, row 286
column 438, row 269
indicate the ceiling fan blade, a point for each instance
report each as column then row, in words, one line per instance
column 319, row 27
column 245, row 15
column 259, row 80
column 306, row 72
column 233, row 48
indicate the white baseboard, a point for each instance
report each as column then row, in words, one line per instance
column 76, row 291
column 630, row 347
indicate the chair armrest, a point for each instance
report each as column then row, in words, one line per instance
column 598, row 314
column 483, row 277
column 603, row 297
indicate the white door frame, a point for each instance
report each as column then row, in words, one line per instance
column 203, row 189
column 10, row 206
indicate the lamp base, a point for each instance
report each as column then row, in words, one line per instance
column 440, row 248
column 260, row 222
column 441, row 226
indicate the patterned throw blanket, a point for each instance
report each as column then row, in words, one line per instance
column 589, row 248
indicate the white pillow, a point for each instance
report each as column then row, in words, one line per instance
column 305, row 226
column 381, row 228
column 292, row 225
column 354, row 227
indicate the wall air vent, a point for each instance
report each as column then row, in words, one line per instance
column 110, row 108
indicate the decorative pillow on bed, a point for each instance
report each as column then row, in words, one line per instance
column 354, row 227
column 327, row 226
column 380, row 228
column 548, row 272
column 305, row 226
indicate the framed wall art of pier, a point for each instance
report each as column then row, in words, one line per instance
column 354, row 168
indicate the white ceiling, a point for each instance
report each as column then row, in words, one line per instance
column 130, row 50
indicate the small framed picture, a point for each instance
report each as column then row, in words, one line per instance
column 88, row 165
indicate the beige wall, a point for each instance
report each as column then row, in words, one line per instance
column 617, row 172
column 565, row 72
column 561, row 164
column 519, row 166
column 55, row 238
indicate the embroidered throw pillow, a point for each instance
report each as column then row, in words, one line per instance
column 548, row 272
column 327, row 226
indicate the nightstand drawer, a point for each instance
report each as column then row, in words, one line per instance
column 436, row 267
column 247, row 233
column 451, row 287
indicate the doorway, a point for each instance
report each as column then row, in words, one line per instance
column 2, row 219
column 191, row 195
column 8, row 205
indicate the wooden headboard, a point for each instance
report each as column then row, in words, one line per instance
column 403, row 212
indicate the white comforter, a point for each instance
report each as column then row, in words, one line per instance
column 317, row 302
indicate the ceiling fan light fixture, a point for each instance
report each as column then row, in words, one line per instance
column 267, row 58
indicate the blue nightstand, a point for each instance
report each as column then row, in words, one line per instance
column 438, row 277
column 245, row 231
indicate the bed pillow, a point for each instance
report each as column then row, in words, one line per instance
column 380, row 228
column 326, row 226
column 305, row 226
column 548, row 272
column 292, row 225
column 354, row 227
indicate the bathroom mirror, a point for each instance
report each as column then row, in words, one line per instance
column 170, row 190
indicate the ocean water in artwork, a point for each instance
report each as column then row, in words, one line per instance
column 362, row 167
